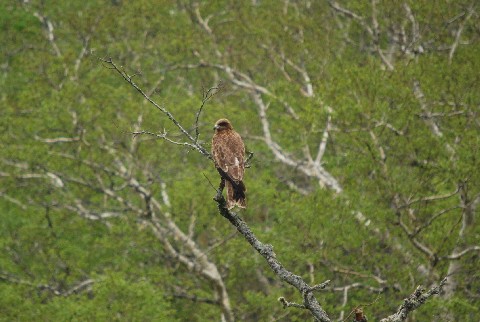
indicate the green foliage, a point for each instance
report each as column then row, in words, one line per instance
column 114, row 299
column 58, row 88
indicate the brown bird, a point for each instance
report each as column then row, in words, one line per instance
column 228, row 153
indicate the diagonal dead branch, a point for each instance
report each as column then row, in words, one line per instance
column 119, row 69
column 459, row 32
column 463, row 252
column 309, row 301
column 265, row 250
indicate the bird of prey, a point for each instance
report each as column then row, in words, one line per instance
column 228, row 153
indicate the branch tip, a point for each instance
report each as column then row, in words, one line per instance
column 286, row 304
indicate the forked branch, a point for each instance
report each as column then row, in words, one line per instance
column 309, row 300
column 414, row 301
column 109, row 63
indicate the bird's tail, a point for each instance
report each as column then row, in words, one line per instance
column 236, row 195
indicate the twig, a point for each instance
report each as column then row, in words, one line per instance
column 375, row 35
column 55, row 290
column 206, row 96
column 210, row 182
column 56, row 140
column 323, row 141
column 414, row 301
column 286, row 304
column 320, row 286
column 432, row 219
column 121, row 71
column 431, row 198
column 161, row 136
column 463, row 252
column 458, row 34
column 13, row 200
column 247, row 160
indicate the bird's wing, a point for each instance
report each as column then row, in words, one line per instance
column 228, row 153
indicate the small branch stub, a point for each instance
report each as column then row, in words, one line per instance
column 320, row 286
column 286, row 304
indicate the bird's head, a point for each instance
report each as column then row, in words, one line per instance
column 222, row 124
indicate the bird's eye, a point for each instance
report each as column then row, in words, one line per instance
column 223, row 124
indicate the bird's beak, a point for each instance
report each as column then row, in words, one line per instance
column 216, row 127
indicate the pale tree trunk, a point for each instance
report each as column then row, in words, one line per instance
column 469, row 207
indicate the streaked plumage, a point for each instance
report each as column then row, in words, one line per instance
column 228, row 152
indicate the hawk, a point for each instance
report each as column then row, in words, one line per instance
column 228, row 153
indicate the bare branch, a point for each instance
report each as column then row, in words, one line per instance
column 82, row 211
column 381, row 152
column 308, row 82
column 309, row 301
column 80, row 286
column 307, row 88
column 296, row 188
column 431, row 198
column 286, row 304
column 468, row 205
column 419, row 245
column 201, row 21
column 83, row 50
column 432, row 219
column 206, row 96
column 311, row 169
column 417, row 90
column 413, row 21
column 13, row 200
column 49, row 32
column 323, row 143
column 241, row 80
column 350, row 272
column 57, row 140
column 413, row 302
column 53, row 178
column 459, row 33
column 432, row 256
column 389, row 126
column 350, row 14
column 50, row 35
column 344, row 301
column 162, row 136
column 55, row 290
column 463, row 252
column 194, row 144
column 428, row 119
column 373, row 31
column 376, row 33
column 372, row 289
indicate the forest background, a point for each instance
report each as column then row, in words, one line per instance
column 362, row 117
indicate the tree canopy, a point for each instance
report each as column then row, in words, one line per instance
column 362, row 117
